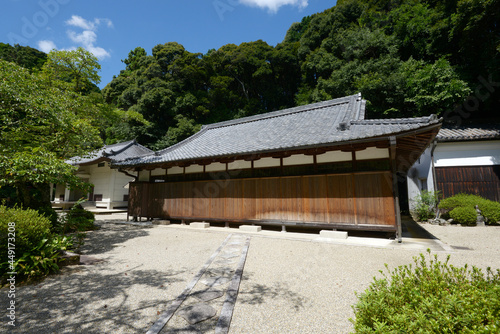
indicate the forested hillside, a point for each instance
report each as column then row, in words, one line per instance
column 407, row 58
column 24, row 56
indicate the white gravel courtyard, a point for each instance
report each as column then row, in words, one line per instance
column 290, row 284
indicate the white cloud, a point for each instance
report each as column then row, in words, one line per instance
column 88, row 37
column 46, row 46
column 274, row 5
column 98, row 51
column 80, row 22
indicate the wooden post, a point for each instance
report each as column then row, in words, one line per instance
column 395, row 191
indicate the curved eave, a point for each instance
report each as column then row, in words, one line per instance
column 410, row 145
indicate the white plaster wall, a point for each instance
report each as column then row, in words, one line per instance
column 239, row 164
column 120, row 189
column 175, row 170
column 477, row 153
column 215, row 167
column 194, row 169
column 372, row 153
column 158, row 172
column 100, row 178
column 298, row 159
column 420, row 172
column 267, row 162
column 334, row 156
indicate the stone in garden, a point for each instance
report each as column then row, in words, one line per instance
column 207, row 295
column 197, row 313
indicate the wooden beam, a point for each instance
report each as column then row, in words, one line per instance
column 395, row 190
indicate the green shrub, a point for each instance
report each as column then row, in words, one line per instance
column 425, row 205
column 459, row 200
column 30, row 229
column 489, row 209
column 36, row 251
column 464, row 215
column 430, row 297
column 77, row 219
column 42, row 259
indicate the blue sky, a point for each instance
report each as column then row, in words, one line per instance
column 111, row 29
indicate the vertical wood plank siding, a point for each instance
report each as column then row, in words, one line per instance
column 479, row 180
column 360, row 198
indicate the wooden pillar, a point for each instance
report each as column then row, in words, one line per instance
column 395, row 191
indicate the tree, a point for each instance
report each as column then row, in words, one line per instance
column 40, row 126
column 79, row 67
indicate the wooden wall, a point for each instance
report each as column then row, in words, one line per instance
column 355, row 200
column 479, row 180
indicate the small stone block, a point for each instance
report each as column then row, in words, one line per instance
column 250, row 228
column 200, row 225
column 161, row 222
column 333, row 234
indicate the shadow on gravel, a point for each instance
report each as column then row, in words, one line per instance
column 59, row 305
column 109, row 236
column 258, row 294
column 93, row 298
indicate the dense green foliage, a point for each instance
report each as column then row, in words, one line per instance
column 425, row 205
column 24, row 56
column 489, row 209
column 430, row 297
column 407, row 58
column 30, row 229
column 34, row 250
column 464, row 215
column 76, row 220
column 47, row 116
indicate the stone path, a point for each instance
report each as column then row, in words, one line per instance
column 207, row 302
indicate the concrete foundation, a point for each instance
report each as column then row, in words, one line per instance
column 333, row 234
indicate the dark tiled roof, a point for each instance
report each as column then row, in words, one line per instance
column 115, row 152
column 319, row 124
column 477, row 132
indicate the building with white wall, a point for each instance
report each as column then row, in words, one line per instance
column 460, row 160
column 110, row 186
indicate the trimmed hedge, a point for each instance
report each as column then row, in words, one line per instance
column 30, row 228
column 430, row 297
column 489, row 209
column 464, row 215
column 36, row 251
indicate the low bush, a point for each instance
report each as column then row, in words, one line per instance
column 464, row 215
column 34, row 251
column 77, row 219
column 30, row 228
column 489, row 209
column 425, row 205
column 430, row 297
column 42, row 259
column 459, row 200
